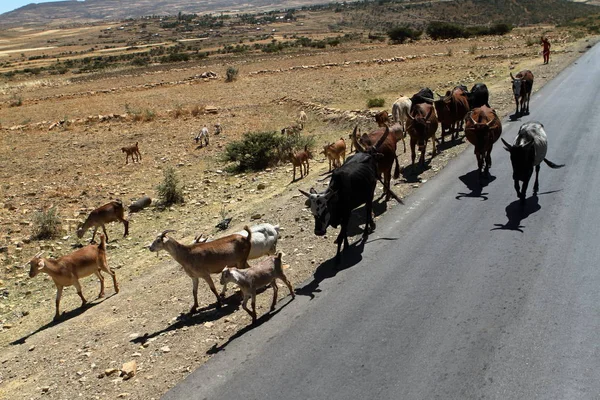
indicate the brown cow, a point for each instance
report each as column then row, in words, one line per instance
column 482, row 130
column 421, row 126
column 451, row 110
column 382, row 118
column 334, row 152
column 522, row 85
column 388, row 151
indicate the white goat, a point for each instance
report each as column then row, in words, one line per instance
column 202, row 137
column 68, row 269
column 303, row 118
column 264, row 240
column 202, row 259
column 263, row 274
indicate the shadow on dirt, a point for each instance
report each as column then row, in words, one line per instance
column 202, row 315
column 472, row 182
column 65, row 316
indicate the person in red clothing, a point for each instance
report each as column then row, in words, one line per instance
column 546, row 51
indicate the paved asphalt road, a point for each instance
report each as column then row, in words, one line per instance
column 460, row 294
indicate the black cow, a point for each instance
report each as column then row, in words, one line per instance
column 352, row 185
column 478, row 96
column 424, row 95
column 526, row 153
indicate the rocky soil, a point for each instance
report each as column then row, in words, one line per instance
column 61, row 148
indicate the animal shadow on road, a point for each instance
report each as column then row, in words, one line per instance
column 411, row 172
column 358, row 217
column 65, row 316
column 516, row 212
column 475, row 185
column 202, row 315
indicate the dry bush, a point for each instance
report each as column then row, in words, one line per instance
column 46, row 224
column 197, row 110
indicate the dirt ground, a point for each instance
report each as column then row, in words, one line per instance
column 77, row 165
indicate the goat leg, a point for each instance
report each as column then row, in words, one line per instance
column 245, row 306
column 101, row 279
column 59, row 291
column 275, row 290
column 78, row 287
column 195, row 294
column 105, row 234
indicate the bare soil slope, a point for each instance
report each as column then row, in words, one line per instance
column 77, row 165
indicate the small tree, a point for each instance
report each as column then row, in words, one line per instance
column 169, row 190
column 46, row 224
column 401, row 34
column 231, row 74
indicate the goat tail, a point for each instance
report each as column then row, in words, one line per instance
column 552, row 165
column 249, row 233
column 278, row 264
column 397, row 169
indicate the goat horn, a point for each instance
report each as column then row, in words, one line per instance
column 167, row 231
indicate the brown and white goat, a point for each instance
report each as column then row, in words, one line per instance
column 68, row 269
column 111, row 212
column 300, row 159
column 199, row 260
column 131, row 151
column 263, row 274
column 334, row 152
column 293, row 130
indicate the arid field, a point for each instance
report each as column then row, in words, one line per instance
column 60, row 142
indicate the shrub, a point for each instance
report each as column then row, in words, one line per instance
column 46, row 224
column 259, row 150
column 169, row 190
column 473, row 49
column 231, row 74
column 196, row 110
column 376, row 102
column 15, row 101
column 445, row 30
column 402, row 33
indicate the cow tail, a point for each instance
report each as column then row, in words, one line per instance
column 397, row 169
column 552, row 165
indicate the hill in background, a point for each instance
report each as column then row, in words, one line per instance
column 518, row 12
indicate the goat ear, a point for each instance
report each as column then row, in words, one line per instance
column 41, row 264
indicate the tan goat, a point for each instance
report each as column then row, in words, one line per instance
column 68, row 269
column 199, row 260
column 263, row 274
column 334, row 152
column 131, row 151
column 300, row 159
column 110, row 212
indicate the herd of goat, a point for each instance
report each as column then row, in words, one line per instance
column 352, row 184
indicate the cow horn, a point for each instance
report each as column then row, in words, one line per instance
column 304, row 193
column 492, row 120
column 355, row 141
column 382, row 138
column 471, row 117
column 512, row 77
column 507, row 146
column 428, row 99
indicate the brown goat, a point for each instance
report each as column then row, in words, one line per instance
column 68, row 269
column 132, row 151
column 263, row 274
column 110, row 212
column 334, row 152
column 202, row 259
column 300, row 159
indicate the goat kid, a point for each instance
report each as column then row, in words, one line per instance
column 68, row 269
column 111, row 212
column 202, row 259
column 334, row 152
column 131, row 151
column 263, row 274
column 300, row 159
